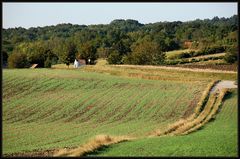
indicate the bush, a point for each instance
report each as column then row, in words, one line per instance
column 231, row 54
column 18, row 60
column 184, row 55
column 213, row 50
column 5, row 56
column 47, row 63
column 114, row 58
column 147, row 53
column 172, row 62
column 207, row 51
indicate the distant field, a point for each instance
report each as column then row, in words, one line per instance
column 218, row 138
column 207, row 56
column 163, row 73
column 173, row 53
column 211, row 64
column 46, row 109
column 173, row 58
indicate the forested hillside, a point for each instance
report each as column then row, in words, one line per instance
column 121, row 42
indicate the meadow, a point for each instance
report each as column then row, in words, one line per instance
column 48, row 109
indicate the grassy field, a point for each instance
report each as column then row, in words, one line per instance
column 218, row 138
column 211, row 62
column 54, row 108
column 171, row 54
column 174, row 57
column 162, row 73
column 45, row 109
column 210, row 55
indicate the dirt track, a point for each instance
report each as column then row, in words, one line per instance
column 176, row 68
column 223, row 84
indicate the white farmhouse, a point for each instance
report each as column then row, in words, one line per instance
column 76, row 64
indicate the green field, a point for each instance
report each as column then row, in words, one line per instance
column 172, row 54
column 218, row 138
column 176, row 57
column 46, row 109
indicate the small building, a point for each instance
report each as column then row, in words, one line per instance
column 187, row 44
column 78, row 63
column 34, row 66
column 82, row 62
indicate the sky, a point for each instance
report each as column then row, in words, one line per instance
column 44, row 14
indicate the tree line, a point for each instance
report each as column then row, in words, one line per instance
column 120, row 42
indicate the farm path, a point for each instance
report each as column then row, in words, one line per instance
column 177, row 68
column 223, row 84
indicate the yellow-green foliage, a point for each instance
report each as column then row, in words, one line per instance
column 101, row 62
column 172, row 54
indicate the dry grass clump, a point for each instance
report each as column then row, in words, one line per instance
column 61, row 66
column 183, row 124
column 212, row 114
column 188, row 125
column 204, row 97
column 93, row 144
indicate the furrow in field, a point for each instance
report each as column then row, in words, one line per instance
column 129, row 106
column 32, row 107
column 85, row 106
column 49, row 95
column 211, row 115
column 66, row 110
column 117, row 102
column 100, row 106
column 205, row 114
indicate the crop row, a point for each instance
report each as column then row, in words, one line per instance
column 48, row 109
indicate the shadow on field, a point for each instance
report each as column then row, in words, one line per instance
column 228, row 95
column 100, row 150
